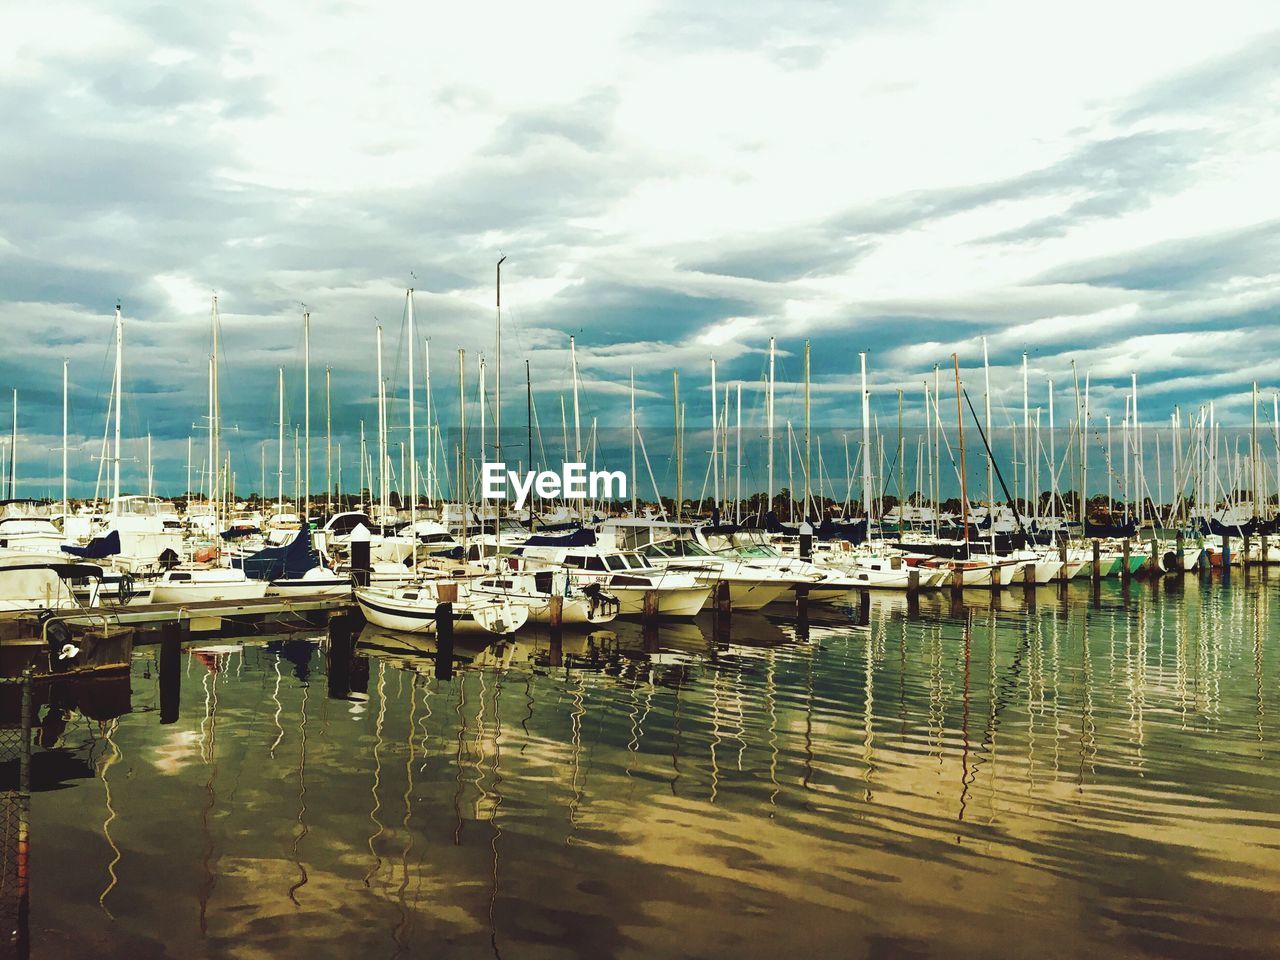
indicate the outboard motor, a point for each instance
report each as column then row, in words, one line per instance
column 58, row 640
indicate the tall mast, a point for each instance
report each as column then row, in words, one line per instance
column 328, row 446
column 737, row 495
column 480, row 502
column 150, row 472
column 119, row 394
column 991, row 490
column 497, row 382
column 577, row 426
column 1253, row 447
column 217, row 408
column 675, row 390
column 65, row 366
column 212, row 464
column 431, row 447
column 1053, row 458
column 964, row 490
column 1138, row 487
column 805, row 511
column 413, row 456
column 13, row 446
column 769, row 419
column 462, row 443
column 306, row 414
column 382, row 435
column 866, row 445
column 280, row 448
column 528, row 421
column 902, row 466
column 1027, row 458
column 715, row 438
column 634, row 499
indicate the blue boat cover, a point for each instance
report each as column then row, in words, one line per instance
column 99, row 548
column 280, row 563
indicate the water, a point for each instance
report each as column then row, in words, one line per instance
column 1060, row 778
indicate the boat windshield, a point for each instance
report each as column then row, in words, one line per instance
column 757, row 550
column 617, row 562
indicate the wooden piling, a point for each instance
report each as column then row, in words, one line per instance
column 1062, row 556
column 1244, row 556
column 555, row 614
column 1029, row 575
column 172, row 635
column 444, row 640
column 650, row 611
column 1125, row 572
column 1096, row 575
column 724, row 603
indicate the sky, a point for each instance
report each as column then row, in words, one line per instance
column 670, row 183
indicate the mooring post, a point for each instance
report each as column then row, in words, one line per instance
column 360, row 564
column 555, row 614
column 172, row 635
column 1179, row 544
column 1029, row 575
column 444, row 640
column 1125, row 572
column 1246, row 554
column 957, row 583
column 806, row 541
column 1096, row 574
column 1262, row 553
column 342, row 638
column 650, row 611
column 864, row 608
column 724, row 605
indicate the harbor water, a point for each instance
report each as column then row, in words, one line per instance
column 1059, row 773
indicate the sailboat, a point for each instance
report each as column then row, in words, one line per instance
column 191, row 582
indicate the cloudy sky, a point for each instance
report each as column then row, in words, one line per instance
column 669, row 184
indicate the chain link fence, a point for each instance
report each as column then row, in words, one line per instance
column 15, row 812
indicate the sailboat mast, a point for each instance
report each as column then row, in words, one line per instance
column 634, row 499
column 1253, row 448
column 497, row 382
column 1027, row 458
column 577, row 425
column 119, row 394
column 462, row 444
column 280, row 448
column 866, row 446
column 805, row 512
column 306, row 414
column 382, row 435
column 431, row 447
column 675, row 392
column 715, row 439
column 13, row 459
column 769, row 418
column 65, row 367
column 964, row 490
column 413, row 456
column 737, row 496
column 991, row 490
column 328, row 445
column 528, row 421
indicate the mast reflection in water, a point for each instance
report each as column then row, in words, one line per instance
column 1058, row 775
